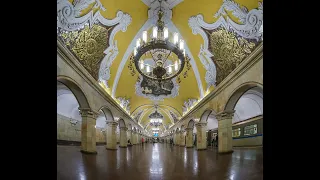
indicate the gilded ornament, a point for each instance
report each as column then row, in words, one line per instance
column 229, row 51
column 88, row 45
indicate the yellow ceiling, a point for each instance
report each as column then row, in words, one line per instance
column 181, row 13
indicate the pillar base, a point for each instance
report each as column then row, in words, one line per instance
column 201, row 149
column 182, row 145
column 129, row 145
column 111, row 148
column 226, row 152
column 123, row 146
column 189, row 147
column 88, row 152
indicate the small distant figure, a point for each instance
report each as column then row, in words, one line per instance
column 217, row 141
column 129, row 142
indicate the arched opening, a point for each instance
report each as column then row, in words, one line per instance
column 101, row 128
column 70, row 102
column 209, row 117
column 247, row 122
column 191, row 134
column 123, row 133
column 108, row 114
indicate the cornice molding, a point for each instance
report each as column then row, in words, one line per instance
column 71, row 60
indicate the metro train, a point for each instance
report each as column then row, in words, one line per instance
column 244, row 133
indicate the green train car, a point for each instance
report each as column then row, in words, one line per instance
column 245, row 133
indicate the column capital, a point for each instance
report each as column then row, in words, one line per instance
column 201, row 124
column 129, row 130
column 86, row 112
column 225, row 115
column 189, row 129
column 112, row 123
column 123, row 128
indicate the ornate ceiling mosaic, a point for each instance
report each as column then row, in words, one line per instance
column 229, row 51
column 88, row 45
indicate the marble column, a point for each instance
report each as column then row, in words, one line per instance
column 182, row 138
column 189, row 138
column 129, row 131
column 123, row 137
column 133, row 138
column 201, row 135
column 177, row 136
column 111, row 135
column 225, row 131
column 88, row 131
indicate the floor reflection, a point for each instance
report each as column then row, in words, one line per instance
column 159, row 161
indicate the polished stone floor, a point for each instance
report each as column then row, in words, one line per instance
column 159, row 161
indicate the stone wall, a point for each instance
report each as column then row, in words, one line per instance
column 67, row 132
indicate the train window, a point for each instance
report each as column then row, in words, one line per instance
column 236, row 132
column 250, row 130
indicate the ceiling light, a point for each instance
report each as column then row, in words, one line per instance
column 160, row 48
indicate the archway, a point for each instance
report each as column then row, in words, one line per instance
column 206, row 129
column 190, row 135
column 75, row 120
column 101, row 129
column 247, row 128
column 111, row 128
column 123, row 133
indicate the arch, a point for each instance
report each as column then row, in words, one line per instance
column 129, row 126
column 182, row 127
column 249, row 105
column 205, row 115
column 122, row 123
column 239, row 91
column 191, row 123
column 76, row 90
column 107, row 112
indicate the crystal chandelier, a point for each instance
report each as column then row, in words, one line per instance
column 156, row 118
column 160, row 48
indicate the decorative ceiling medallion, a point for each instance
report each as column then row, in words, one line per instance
column 155, row 91
column 88, row 45
column 174, row 117
column 187, row 105
column 250, row 28
column 69, row 18
column 124, row 103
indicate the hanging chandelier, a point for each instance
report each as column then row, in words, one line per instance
column 156, row 118
column 159, row 47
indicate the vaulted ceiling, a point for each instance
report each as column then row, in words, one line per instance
column 218, row 35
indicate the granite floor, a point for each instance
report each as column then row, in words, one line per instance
column 159, row 161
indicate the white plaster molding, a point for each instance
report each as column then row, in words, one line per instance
column 152, row 14
column 173, row 116
column 68, row 19
column 171, row 3
column 188, row 105
column 124, row 103
column 251, row 28
column 137, row 116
